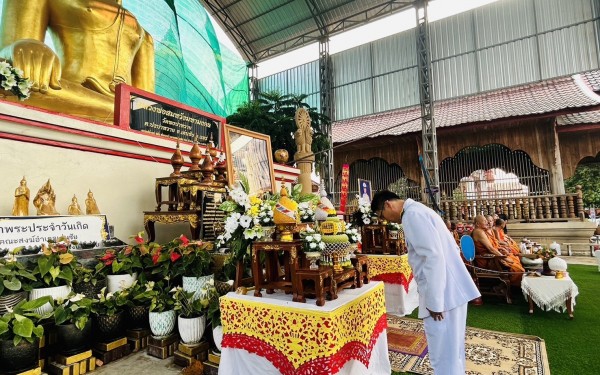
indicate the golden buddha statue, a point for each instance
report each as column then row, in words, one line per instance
column 91, row 208
column 99, row 43
column 21, row 205
column 74, row 208
column 44, row 200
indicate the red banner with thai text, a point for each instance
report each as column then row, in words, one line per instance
column 345, row 185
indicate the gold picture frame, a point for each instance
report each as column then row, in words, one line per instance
column 249, row 153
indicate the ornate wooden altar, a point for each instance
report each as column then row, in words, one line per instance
column 376, row 240
column 274, row 276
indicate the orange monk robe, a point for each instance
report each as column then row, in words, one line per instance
column 515, row 266
column 510, row 243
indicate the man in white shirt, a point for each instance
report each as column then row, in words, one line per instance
column 443, row 282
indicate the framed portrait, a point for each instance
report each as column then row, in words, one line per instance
column 249, row 154
column 364, row 188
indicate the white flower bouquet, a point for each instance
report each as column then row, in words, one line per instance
column 364, row 206
column 12, row 80
column 306, row 212
column 353, row 234
column 311, row 240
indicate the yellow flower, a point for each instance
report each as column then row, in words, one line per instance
column 254, row 210
column 255, row 201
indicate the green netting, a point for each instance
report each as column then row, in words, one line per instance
column 192, row 66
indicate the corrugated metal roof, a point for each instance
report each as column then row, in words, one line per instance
column 266, row 28
column 576, row 91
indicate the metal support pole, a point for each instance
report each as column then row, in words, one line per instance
column 326, row 109
column 253, row 80
column 430, row 157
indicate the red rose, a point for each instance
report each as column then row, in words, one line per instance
column 184, row 240
column 174, row 256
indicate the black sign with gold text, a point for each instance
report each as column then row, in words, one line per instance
column 152, row 116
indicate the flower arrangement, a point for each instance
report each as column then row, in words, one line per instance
column 311, row 240
column 128, row 260
column 11, row 79
column 75, row 309
column 188, row 306
column 110, row 303
column 353, row 234
column 182, row 257
column 55, row 265
column 306, row 212
column 265, row 214
column 546, row 253
column 364, row 207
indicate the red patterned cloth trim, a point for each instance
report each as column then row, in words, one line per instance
column 329, row 365
column 394, row 278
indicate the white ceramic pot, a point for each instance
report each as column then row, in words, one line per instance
column 55, row 292
column 162, row 323
column 196, row 284
column 218, row 336
column 191, row 329
column 119, row 282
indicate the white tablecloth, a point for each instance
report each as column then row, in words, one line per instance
column 398, row 301
column 550, row 293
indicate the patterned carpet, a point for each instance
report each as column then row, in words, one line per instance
column 487, row 352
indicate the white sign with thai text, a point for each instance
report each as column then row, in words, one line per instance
column 27, row 231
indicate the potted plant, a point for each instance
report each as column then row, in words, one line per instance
column 188, row 260
column 88, row 281
column 20, row 332
column 191, row 320
column 73, row 323
column 108, row 315
column 138, row 304
column 122, row 267
column 15, row 281
column 162, row 315
column 53, row 271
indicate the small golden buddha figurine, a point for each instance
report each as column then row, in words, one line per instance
column 99, row 45
column 91, row 208
column 45, row 199
column 21, row 205
column 74, row 208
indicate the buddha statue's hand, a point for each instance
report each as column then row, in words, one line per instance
column 37, row 61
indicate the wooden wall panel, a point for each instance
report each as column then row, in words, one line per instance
column 576, row 146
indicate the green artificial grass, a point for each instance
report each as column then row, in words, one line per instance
column 570, row 344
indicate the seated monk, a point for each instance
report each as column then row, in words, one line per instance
column 486, row 243
column 504, row 239
column 99, row 44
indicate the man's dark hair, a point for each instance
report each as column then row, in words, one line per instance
column 379, row 199
column 499, row 222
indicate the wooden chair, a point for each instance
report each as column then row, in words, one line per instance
column 493, row 281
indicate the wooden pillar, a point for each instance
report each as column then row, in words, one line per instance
column 557, row 182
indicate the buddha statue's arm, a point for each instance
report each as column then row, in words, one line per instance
column 24, row 24
column 142, row 71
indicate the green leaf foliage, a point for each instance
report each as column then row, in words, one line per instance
column 588, row 176
column 273, row 114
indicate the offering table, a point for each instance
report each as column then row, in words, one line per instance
column 550, row 293
column 401, row 296
column 273, row 335
column 272, row 279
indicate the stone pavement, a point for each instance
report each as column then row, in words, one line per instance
column 589, row 260
column 139, row 363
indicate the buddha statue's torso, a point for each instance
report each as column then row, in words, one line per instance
column 84, row 31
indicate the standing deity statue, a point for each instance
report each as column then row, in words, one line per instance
column 44, row 200
column 91, row 208
column 99, row 43
column 74, row 208
column 21, row 205
column 304, row 156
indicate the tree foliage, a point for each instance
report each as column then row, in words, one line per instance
column 588, row 176
column 273, row 114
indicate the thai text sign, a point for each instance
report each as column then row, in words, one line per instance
column 344, row 189
column 153, row 116
column 28, row 231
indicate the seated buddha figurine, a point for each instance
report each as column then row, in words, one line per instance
column 99, row 44
column 44, row 200
column 74, row 208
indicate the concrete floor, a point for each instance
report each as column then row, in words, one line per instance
column 142, row 363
